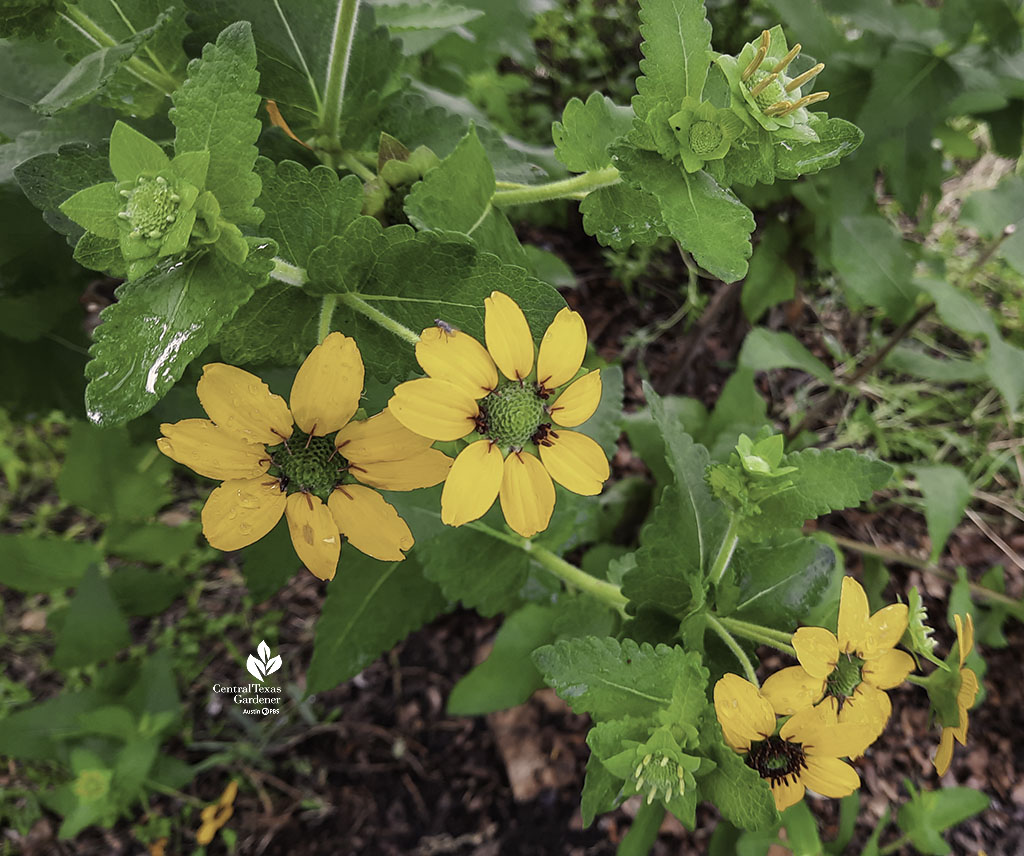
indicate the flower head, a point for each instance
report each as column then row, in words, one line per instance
column 852, row 668
column 703, row 132
column 310, row 463
column 966, row 689
column 509, row 416
column 214, row 816
column 804, row 754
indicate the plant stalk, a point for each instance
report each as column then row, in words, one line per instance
column 758, row 633
column 523, row 194
column 731, row 643
column 354, row 301
column 726, row 550
column 327, row 305
column 337, row 67
column 643, row 832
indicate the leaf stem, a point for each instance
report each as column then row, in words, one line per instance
column 726, row 550
column 337, row 66
column 757, row 633
column 895, row 845
column 643, row 832
column 733, row 646
column 354, row 301
column 521, row 194
column 327, row 305
column 356, row 166
column 288, row 273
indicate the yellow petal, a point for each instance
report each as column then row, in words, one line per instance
column 314, row 534
column 830, row 777
column 792, row 689
column 817, row 649
column 240, row 402
column 819, row 732
column 472, row 484
column 434, row 408
column 370, row 523
column 508, row 336
column 853, row 616
column 379, row 438
column 884, row 630
column 944, row 754
column 745, row 715
column 889, row 670
column 325, row 392
column 241, row 511
column 562, row 350
column 527, row 494
column 459, row 358
column 211, row 451
column 869, row 708
column 578, row 402
column 965, row 701
column 423, row 469
column 787, row 793
column 576, row 462
column 964, row 636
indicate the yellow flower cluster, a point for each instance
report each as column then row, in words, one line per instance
column 215, row 815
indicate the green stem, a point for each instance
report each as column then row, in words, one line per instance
column 733, row 646
column 526, row 193
column 643, row 832
column 337, row 66
column 356, row 166
column 354, row 301
column 758, row 633
column 895, row 845
column 288, row 273
column 327, row 305
column 726, row 550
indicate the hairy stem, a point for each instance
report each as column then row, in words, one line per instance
column 337, row 66
column 733, row 645
column 726, row 550
column 757, row 633
column 327, row 304
column 288, row 273
column 354, row 301
column 521, row 194
column 356, row 166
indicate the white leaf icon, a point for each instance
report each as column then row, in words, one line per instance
column 273, row 664
column 263, row 649
column 255, row 668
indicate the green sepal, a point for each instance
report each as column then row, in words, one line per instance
column 918, row 635
column 231, row 243
column 95, row 209
column 191, row 167
column 942, row 687
column 133, row 153
column 176, row 239
column 690, row 126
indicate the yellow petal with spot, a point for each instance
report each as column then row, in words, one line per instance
column 211, row 451
column 576, row 462
column 379, row 438
column 434, row 408
column 817, row 650
column 787, row 793
column 314, row 534
column 370, row 523
column 326, row 390
column 883, row 631
column 792, row 689
column 472, row 484
column 578, row 402
column 869, row 708
column 853, row 616
column 944, row 754
column 241, row 511
column 458, row 358
column 423, row 469
column 508, row 336
column 240, row 402
column 744, row 714
column 889, row 670
column 562, row 349
column 527, row 494
column 830, row 777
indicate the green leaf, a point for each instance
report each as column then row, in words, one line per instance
column 909, row 360
column 269, row 563
column 214, row 110
column 771, row 279
column 422, row 24
column 928, row 813
column 94, row 628
column 507, row 677
column 586, row 130
column 946, row 492
column 600, row 791
column 875, row 264
column 836, row 139
column 133, row 153
column 39, row 565
column 764, row 350
column 95, row 208
column 736, row 790
column 455, row 195
column 825, row 480
column 33, row 732
column 152, row 542
column 778, row 584
column 676, row 48
column 105, row 474
column 278, row 326
column 134, row 360
column 707, row 220
column 609, row 680
column 620, row 216
column 379, row 604
column 140, row 592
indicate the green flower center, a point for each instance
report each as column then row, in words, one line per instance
column 705, row 137
column 776, row 759
column 309, row 464
column 512, row 415
column 657, row 772
column 774, row 91
column 92, row 785
column 845, row 677
column 152, row 207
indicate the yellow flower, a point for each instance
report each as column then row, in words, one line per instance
column 852, row 668
column 303, row 462
column 965, row 696
column 511, row 416
column 214, row 816
column 804, row 754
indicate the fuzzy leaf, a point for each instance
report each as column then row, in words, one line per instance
column 620, row 216
column 676, row 46
column 946, row 492
column 736, row 790
column 875, row 264
column 587, row 129
column 277, row 325
column 764, row 350
column 42, row 564
column 836, row 139
column 94, row 628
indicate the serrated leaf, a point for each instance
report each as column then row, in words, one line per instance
column 42, row 564
column 278, row 325
column 94, row 627
column 764, row 350
column 780, row 583
column 875, row 264
column 214, row 110
column 379, row 604
column 707, row 220
column 159, row 324
column 736, row 790
column 456, row 194
column 836, row 139
column 676, row 46
column 620, row 216
column 422, row 24
column 587, row 129
column 946, row 492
